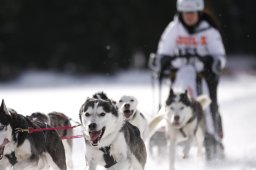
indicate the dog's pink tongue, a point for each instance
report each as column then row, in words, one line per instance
column 94, row 135
column 127, row 113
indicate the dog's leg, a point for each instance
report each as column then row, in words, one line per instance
column 122, row 165
column 25, row 165
column 200, row 140
column 68, row 154
column 42, row 162
column 172, row 151
column 154, row 123
column 90, row 166
column 187, row 147
column 5, row 164
column 52, row 163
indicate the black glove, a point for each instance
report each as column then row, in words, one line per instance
column 208, row 62
column 160, row 63
column 216, row 66
column 212, row 64
column 165, row 62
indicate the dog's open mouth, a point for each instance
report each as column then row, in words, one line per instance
column 128, row 113
column 2, row 146
column 176, row 124
column 95, row 136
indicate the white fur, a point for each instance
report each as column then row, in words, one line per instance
column 5, row 164
column 68, row 154
column 138, row 120
column 112, row 137
column 174, row 135
column 5, row 133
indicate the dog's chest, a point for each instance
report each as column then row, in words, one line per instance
column 185, row 132
column 9, row 148
column 23, row 152
column 118, row 150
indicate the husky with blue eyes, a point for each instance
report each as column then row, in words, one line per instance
column 185, row 121
column 110, row 141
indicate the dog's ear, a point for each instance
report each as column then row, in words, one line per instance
column 171, row 92
column 113, row 107
column 184, row 97
column 88, row 98
column 186, row 92
column 3, row 108
column 170, row 97
column 80, row 112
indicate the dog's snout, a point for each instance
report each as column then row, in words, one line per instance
column 127, row 106
column 176, row 117
column 92, row 126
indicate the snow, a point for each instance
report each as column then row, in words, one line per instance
column 46, row 92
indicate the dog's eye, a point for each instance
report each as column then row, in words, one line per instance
column 132, row 100
column 1, row 127
column 120, row 101
column 87, row 114
column 182, row 108
column 102, row 114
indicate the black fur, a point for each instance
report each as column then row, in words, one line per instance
column 183, row 98
column 135, row 143
column 63, row 120
column 107, row 105
column 103, row 96
column 12, row 158
column 100, row 95
column 47, row 141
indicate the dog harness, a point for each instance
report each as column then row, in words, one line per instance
column 12, row 158
column 189, row 121
column 109, row 160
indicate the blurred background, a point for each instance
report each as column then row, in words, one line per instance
column 84, row 37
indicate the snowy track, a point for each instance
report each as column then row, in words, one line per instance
column 237, row 98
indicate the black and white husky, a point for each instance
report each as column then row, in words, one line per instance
column 128, row 106
column 185, row 122
column 24, row 151
column 57, row 119
column 110, row 141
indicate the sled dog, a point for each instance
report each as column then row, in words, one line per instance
column 57, row 119
column 184, row 118
column 110, row 141
column 158, row 143
column 128, row 106
column 28, row 151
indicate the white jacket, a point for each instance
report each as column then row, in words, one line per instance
column 176, row 40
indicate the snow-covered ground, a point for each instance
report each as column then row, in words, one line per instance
column 46, row 92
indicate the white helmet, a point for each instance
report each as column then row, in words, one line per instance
column 190, row 5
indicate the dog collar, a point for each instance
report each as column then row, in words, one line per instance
column 109, row 160
column 189, row 121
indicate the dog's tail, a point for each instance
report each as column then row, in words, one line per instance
column 204, row 100
column 154, row 122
